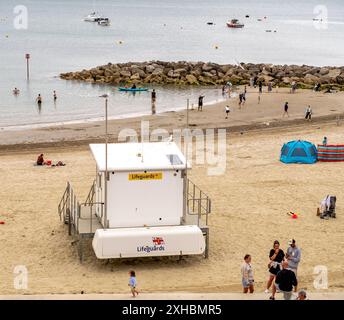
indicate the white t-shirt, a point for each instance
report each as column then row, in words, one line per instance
column 246, row 271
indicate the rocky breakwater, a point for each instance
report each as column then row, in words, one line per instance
column 201, row 73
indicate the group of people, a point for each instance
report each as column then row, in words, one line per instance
column 39, row 98
column 282, row 271
column 308, row 112
column 41, row 162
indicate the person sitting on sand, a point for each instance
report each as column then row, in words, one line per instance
column 40, row 160
column 59, row 164
column 247, row 275
column 276, row 256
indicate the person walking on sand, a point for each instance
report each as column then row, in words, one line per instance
column 247, row 275
column 308, row 113
column 200, row 103
column 260, row 87
column 240, row 100
column 132, row 283
column 293, row 256
column 276, row 256
column 227, row 110
column 286, row 107
column 284, row 282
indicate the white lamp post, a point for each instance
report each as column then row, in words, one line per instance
column 106, row 96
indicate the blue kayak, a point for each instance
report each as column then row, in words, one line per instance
column 132, row 89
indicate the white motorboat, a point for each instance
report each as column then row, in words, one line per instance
column 92, row 17
column 104, row 22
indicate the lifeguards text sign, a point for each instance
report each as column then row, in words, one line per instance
column 145, row 176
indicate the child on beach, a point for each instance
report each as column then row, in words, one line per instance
column 132, row 283
column 227, row 110
column 247, row 275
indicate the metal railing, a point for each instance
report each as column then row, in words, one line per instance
column 198, row 202
column 71, row 211
column 90, row 196
column 68, row 208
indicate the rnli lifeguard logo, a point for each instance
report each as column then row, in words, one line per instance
column 158, row 245
column 158, row 241
column 145, row 176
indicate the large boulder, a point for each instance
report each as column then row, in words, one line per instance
column 125, row 73
column 334, row 73
column 207, row 74
column 340, row 79
column 191, row 79
column 158, row 72
column 135, row 76
column 150, row 68
column 324, row 71
column 181, row 71
column 207, row 67
column 311, row 79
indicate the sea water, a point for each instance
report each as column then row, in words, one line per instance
column 58, row 40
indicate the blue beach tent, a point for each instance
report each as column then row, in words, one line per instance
column 299, row 151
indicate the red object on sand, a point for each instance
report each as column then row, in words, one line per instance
column 294, row 216
column 2, row 222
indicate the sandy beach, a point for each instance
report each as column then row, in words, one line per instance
column 250, row 202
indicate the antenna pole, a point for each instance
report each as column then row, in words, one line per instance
column 106, row 162
column 186, row 182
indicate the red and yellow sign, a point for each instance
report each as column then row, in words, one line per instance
column 145, row 176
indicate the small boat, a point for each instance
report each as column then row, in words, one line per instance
column 93, row 17
column 234, row 23
column 132, row 89
column 104, row 22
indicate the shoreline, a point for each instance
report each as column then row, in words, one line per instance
column 251, row 128
column 252, row 117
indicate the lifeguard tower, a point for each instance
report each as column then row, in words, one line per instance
column 141, row 204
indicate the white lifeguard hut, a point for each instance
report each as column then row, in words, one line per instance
column 141, row 204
